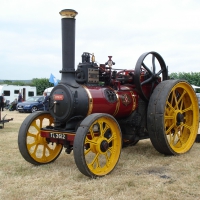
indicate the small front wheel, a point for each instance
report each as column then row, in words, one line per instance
column 97, row 145
column 34, row 148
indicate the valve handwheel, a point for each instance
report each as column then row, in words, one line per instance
column 147, row 78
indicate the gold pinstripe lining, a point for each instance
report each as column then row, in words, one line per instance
column 90, row 105
column 134, row 100
column 117, row 105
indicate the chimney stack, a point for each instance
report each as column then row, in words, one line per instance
column 68, row 47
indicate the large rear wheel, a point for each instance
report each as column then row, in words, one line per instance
column 34, row 148
column 173, row 117
column 97, row 145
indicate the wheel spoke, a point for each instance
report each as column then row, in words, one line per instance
column 111, row 138
column 44, row 151
column 188, row 127
column 170, row 105
column 159, row 73
column 111, row 150
column 106, row 128
column 187, row 109
column 90, row 141
column 41, row 122
column 107, row 159
column 167, row 110
column 169, row 129
column 148, row 70
column 181, row 104
column 91, row 132
column 180, row 99
column 35, row 125
column 31, row 145
column 175, row 99
column 31, row 134
column 87, row 151
column 153, row 64
column 147, row 81
column 95, row 159
column 178, row 104
column 49, row 149
column 103, row 129
column 152, row 86
column 168, row 117
column 35, row 150
column 177, row 135
column 173, row 138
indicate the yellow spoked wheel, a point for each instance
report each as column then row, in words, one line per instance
column 97, row 145
column 34, row 148
column 173, row 117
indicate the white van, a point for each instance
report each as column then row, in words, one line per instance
column 11, row 92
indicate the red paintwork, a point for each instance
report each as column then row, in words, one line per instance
column 117, row 109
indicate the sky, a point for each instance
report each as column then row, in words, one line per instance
column 30, row 34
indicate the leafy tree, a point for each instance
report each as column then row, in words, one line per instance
column 41, row 84
column 193, row 78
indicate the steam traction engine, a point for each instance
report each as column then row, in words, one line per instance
column 96, row 110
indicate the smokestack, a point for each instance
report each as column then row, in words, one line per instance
column 68, row 47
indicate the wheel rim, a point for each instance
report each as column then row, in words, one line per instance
column 181, row 118
column 34, row 109
column 37, row 146
column 101, row 147
column 103, row 151
column 146, row 79
column 36, row 149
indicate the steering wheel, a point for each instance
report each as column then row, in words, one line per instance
column 146, row 78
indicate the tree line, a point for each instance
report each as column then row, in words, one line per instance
column 193, row 78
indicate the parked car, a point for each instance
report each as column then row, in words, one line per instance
column 32, row 104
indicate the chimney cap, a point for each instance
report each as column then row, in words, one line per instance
column 68, row 13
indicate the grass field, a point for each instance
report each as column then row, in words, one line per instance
column 141, row 173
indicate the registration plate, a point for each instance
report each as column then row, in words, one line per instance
column 57, row 136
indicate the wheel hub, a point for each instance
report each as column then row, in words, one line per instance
column 104, row 146
column 179, row 118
